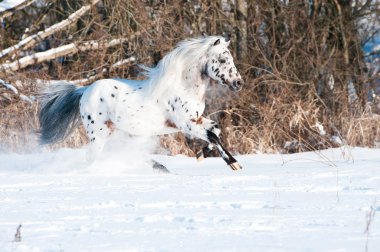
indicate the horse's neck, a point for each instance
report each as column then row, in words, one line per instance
column 189, row 81
column 196, row 81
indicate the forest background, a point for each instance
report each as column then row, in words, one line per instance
column 311, row 67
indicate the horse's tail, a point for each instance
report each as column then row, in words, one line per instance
column 59, row 112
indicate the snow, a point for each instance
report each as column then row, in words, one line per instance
column 315, row 201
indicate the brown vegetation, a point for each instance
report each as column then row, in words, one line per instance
column 301, row 60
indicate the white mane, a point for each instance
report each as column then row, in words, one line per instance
column 170, row 68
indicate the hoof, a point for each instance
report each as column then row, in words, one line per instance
column 235, row 166
column 159, row 167
column 200, row 156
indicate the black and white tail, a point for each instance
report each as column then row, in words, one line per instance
column 59, row 111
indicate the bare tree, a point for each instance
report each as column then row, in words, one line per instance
column 307, row 80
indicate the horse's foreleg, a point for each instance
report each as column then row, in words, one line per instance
column 227, row 157
column 208, row 130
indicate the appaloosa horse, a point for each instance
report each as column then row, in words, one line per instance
column 170, row 99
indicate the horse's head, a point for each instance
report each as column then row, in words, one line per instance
column 220, row 65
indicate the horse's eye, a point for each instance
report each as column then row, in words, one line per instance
column 222, row 61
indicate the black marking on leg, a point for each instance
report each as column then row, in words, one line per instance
column 227, row 157
column 205, row 152
column 199, row 155
column 89, row 117
column 113, row 95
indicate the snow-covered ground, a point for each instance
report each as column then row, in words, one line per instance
column 325, row 201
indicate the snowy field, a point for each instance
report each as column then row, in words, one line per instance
column 325, row 201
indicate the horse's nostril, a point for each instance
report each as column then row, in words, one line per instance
column 238, row 83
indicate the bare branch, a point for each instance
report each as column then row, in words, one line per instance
column 94, row 77
column 38, row 37
column 344, row 39
column 58, row 52
column 15, row 91
column 9, row 86
column 374, row 52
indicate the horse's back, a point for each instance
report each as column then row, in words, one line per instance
column 130, row 83
column 123, row 103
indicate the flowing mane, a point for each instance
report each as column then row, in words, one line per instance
column 170, row 68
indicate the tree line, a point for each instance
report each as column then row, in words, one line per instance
column 309, row 84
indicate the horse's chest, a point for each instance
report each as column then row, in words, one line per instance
column 180, row 107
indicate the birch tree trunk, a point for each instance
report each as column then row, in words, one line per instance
column 241, row 15
column 58, row 52
column 38, row 37
column 9, row 12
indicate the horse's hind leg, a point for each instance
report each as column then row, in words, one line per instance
column 159, row 167
column 205, row 152
column 97, row 132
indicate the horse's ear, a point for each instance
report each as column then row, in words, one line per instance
column 217, row 42
column 226, row 36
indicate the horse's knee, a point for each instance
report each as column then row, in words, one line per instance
column 214, row 128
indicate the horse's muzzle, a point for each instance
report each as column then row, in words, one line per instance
column 237, row 85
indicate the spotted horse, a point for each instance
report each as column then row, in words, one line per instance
column 170, row 99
